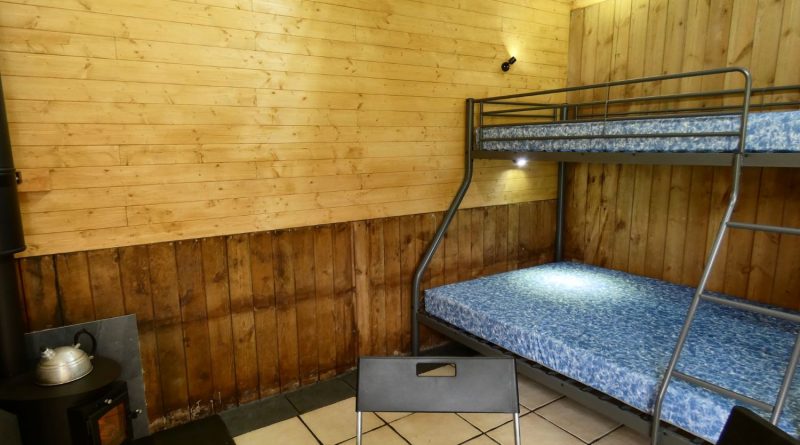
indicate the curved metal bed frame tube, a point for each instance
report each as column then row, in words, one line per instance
column 448, row 218
column 737, row 176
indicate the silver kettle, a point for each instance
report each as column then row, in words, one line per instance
column 66, row 363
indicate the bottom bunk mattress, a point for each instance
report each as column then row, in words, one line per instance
column 615, row 332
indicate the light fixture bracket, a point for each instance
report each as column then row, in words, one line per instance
column 507, row 64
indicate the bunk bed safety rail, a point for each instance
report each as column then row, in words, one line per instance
column 690, row 122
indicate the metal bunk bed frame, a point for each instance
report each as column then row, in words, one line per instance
column 572, row 112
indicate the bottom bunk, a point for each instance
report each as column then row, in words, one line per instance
column 615, row 332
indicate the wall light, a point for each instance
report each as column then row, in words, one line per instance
column 507, row 65
column 520, row 162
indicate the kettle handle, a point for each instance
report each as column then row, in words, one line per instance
column 94, row 341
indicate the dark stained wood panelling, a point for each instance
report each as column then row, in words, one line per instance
column 228, row 320
column 661, row 220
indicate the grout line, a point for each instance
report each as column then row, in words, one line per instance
column 490, row 429
column 540, row 406
column 308, row 428
column 471, row 438
column 608, row 433
column 398, row 432
column 556, row 425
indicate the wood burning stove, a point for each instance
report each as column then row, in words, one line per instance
column 91, row 411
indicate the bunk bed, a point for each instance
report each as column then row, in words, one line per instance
column 634, row 348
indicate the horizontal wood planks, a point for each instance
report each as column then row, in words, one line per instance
column 231, row 319
column 665, row 217
column 137, row 122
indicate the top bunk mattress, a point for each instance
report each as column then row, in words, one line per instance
column 616, row 332
column 770, row 132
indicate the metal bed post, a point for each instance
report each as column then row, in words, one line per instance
column 562, row 179
column 448, row 218
column 712, row 256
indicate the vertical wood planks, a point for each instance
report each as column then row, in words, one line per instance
column 135, row 276
column 464, row 244
column 344, row 290
column 286, row 310
column 42, row 305
column 363, row 302
column 376, row 289
column 622, row 217
column 769, row 211
column 307, row 339
column 228, row 320
column 675, row 240
column 262, row 275
column 191, row 283
column 675, row 210
column 408, row 265
column 640, row 218
column 740, row 242
column 697, row 222
column 787, row 273
column 220, row 334
column 242, row 317
column 326, row 313
column 392, row 283
column 594, row 221
column 169, row 332
column 104, row 275
column 74, row 288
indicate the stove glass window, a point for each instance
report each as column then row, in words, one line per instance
column 112, row 426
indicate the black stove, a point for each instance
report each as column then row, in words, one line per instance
column 94, row 410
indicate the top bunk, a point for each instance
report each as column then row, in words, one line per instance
column 670, row 119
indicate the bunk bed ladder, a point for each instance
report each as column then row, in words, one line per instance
column 701, row 295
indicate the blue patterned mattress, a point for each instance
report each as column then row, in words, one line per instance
column 615, row 332
column 773, row 132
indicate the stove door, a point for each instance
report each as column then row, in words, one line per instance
column 104, row 421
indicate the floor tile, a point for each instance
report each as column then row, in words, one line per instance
column 253, row 416
column 288, row 432
column 381, row 436
column 320, row 394
column 534, row 431
column 351, row 378
column 533, row 395
column 391, row 417
column 578, row 420
column 486, row 421
column 440, row 371
column 481, row 440
column 208, row 431
column 337, row 422
column 435, row 428
column 623, row 436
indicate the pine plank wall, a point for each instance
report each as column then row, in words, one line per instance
column 256, row 179
column 146, row 121
column 659, row 221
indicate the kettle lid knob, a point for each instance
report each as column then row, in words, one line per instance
column 48, row 353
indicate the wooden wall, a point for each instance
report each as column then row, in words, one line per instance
column 227, row 320
column 142, row 121
column 659, row 220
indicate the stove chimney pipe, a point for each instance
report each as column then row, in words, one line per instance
column 12, row 354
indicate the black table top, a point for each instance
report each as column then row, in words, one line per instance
column 24, row 388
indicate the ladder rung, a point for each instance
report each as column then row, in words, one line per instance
column 752, row 308
column 725, row 392
column 764, row 228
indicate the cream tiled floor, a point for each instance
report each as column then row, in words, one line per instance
column 547, row 419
